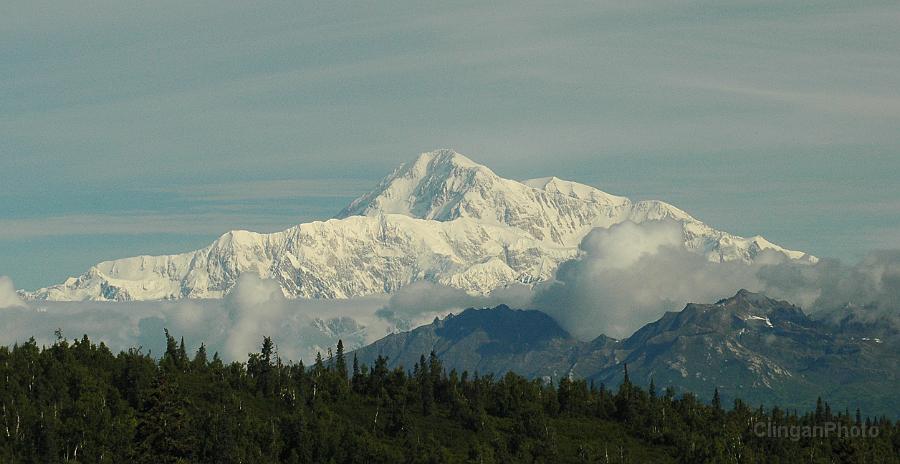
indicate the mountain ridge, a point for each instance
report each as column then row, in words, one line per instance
column 748, row 346
column 441, row 218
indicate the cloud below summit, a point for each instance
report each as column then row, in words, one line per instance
column 630, row 274
column 627, row 276
column 233, row 326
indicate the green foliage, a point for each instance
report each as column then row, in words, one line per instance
column 78, row 402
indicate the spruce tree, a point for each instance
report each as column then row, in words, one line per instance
column 340, row 362
column 200, row 361
column 165, row 433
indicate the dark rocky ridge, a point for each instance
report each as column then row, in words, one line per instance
column 761, row 350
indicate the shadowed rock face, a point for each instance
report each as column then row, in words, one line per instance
column 509, row 331
column 761, row 350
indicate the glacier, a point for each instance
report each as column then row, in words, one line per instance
column 441, row 218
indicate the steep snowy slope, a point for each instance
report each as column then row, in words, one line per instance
column 441, row 218
column 332, row 259
column 444, row 185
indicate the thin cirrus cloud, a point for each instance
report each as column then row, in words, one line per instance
column 265, row 205
column 868, row 105
column 281, row 189
column 136, row 223
column 650, row 99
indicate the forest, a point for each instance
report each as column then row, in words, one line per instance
column 77, row 401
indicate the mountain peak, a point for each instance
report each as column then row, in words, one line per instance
column 744, row 293
column 450, row 219
column 745, row 311
column 445, row 156
column 745, row 298
column 502, row 324
column 445, row 185
column 429, row 187
column 483, row 340
column 555, row 185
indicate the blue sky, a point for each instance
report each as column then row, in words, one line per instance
column 152, row 127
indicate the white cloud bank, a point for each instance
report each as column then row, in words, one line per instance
column 233, row 326
column 627, row 276
column 8, row 296
column 630, row 274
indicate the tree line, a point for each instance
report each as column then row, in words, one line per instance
column 78, row 402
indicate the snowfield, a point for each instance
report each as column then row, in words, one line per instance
column 441, row 218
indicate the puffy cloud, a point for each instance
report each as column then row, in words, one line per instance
column 630, row 274
column 873, row 284
column 8, row 296
column 627, row 276
column 256, row 308
column 623, row 245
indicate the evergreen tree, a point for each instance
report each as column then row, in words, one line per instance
column 340, row 362
column 356, row 382
column 79, row 403
column 200, row 362
column 165, row 433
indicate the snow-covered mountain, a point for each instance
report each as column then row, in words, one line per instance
column 442, row 218
column 332, row 259
column 444, row 185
